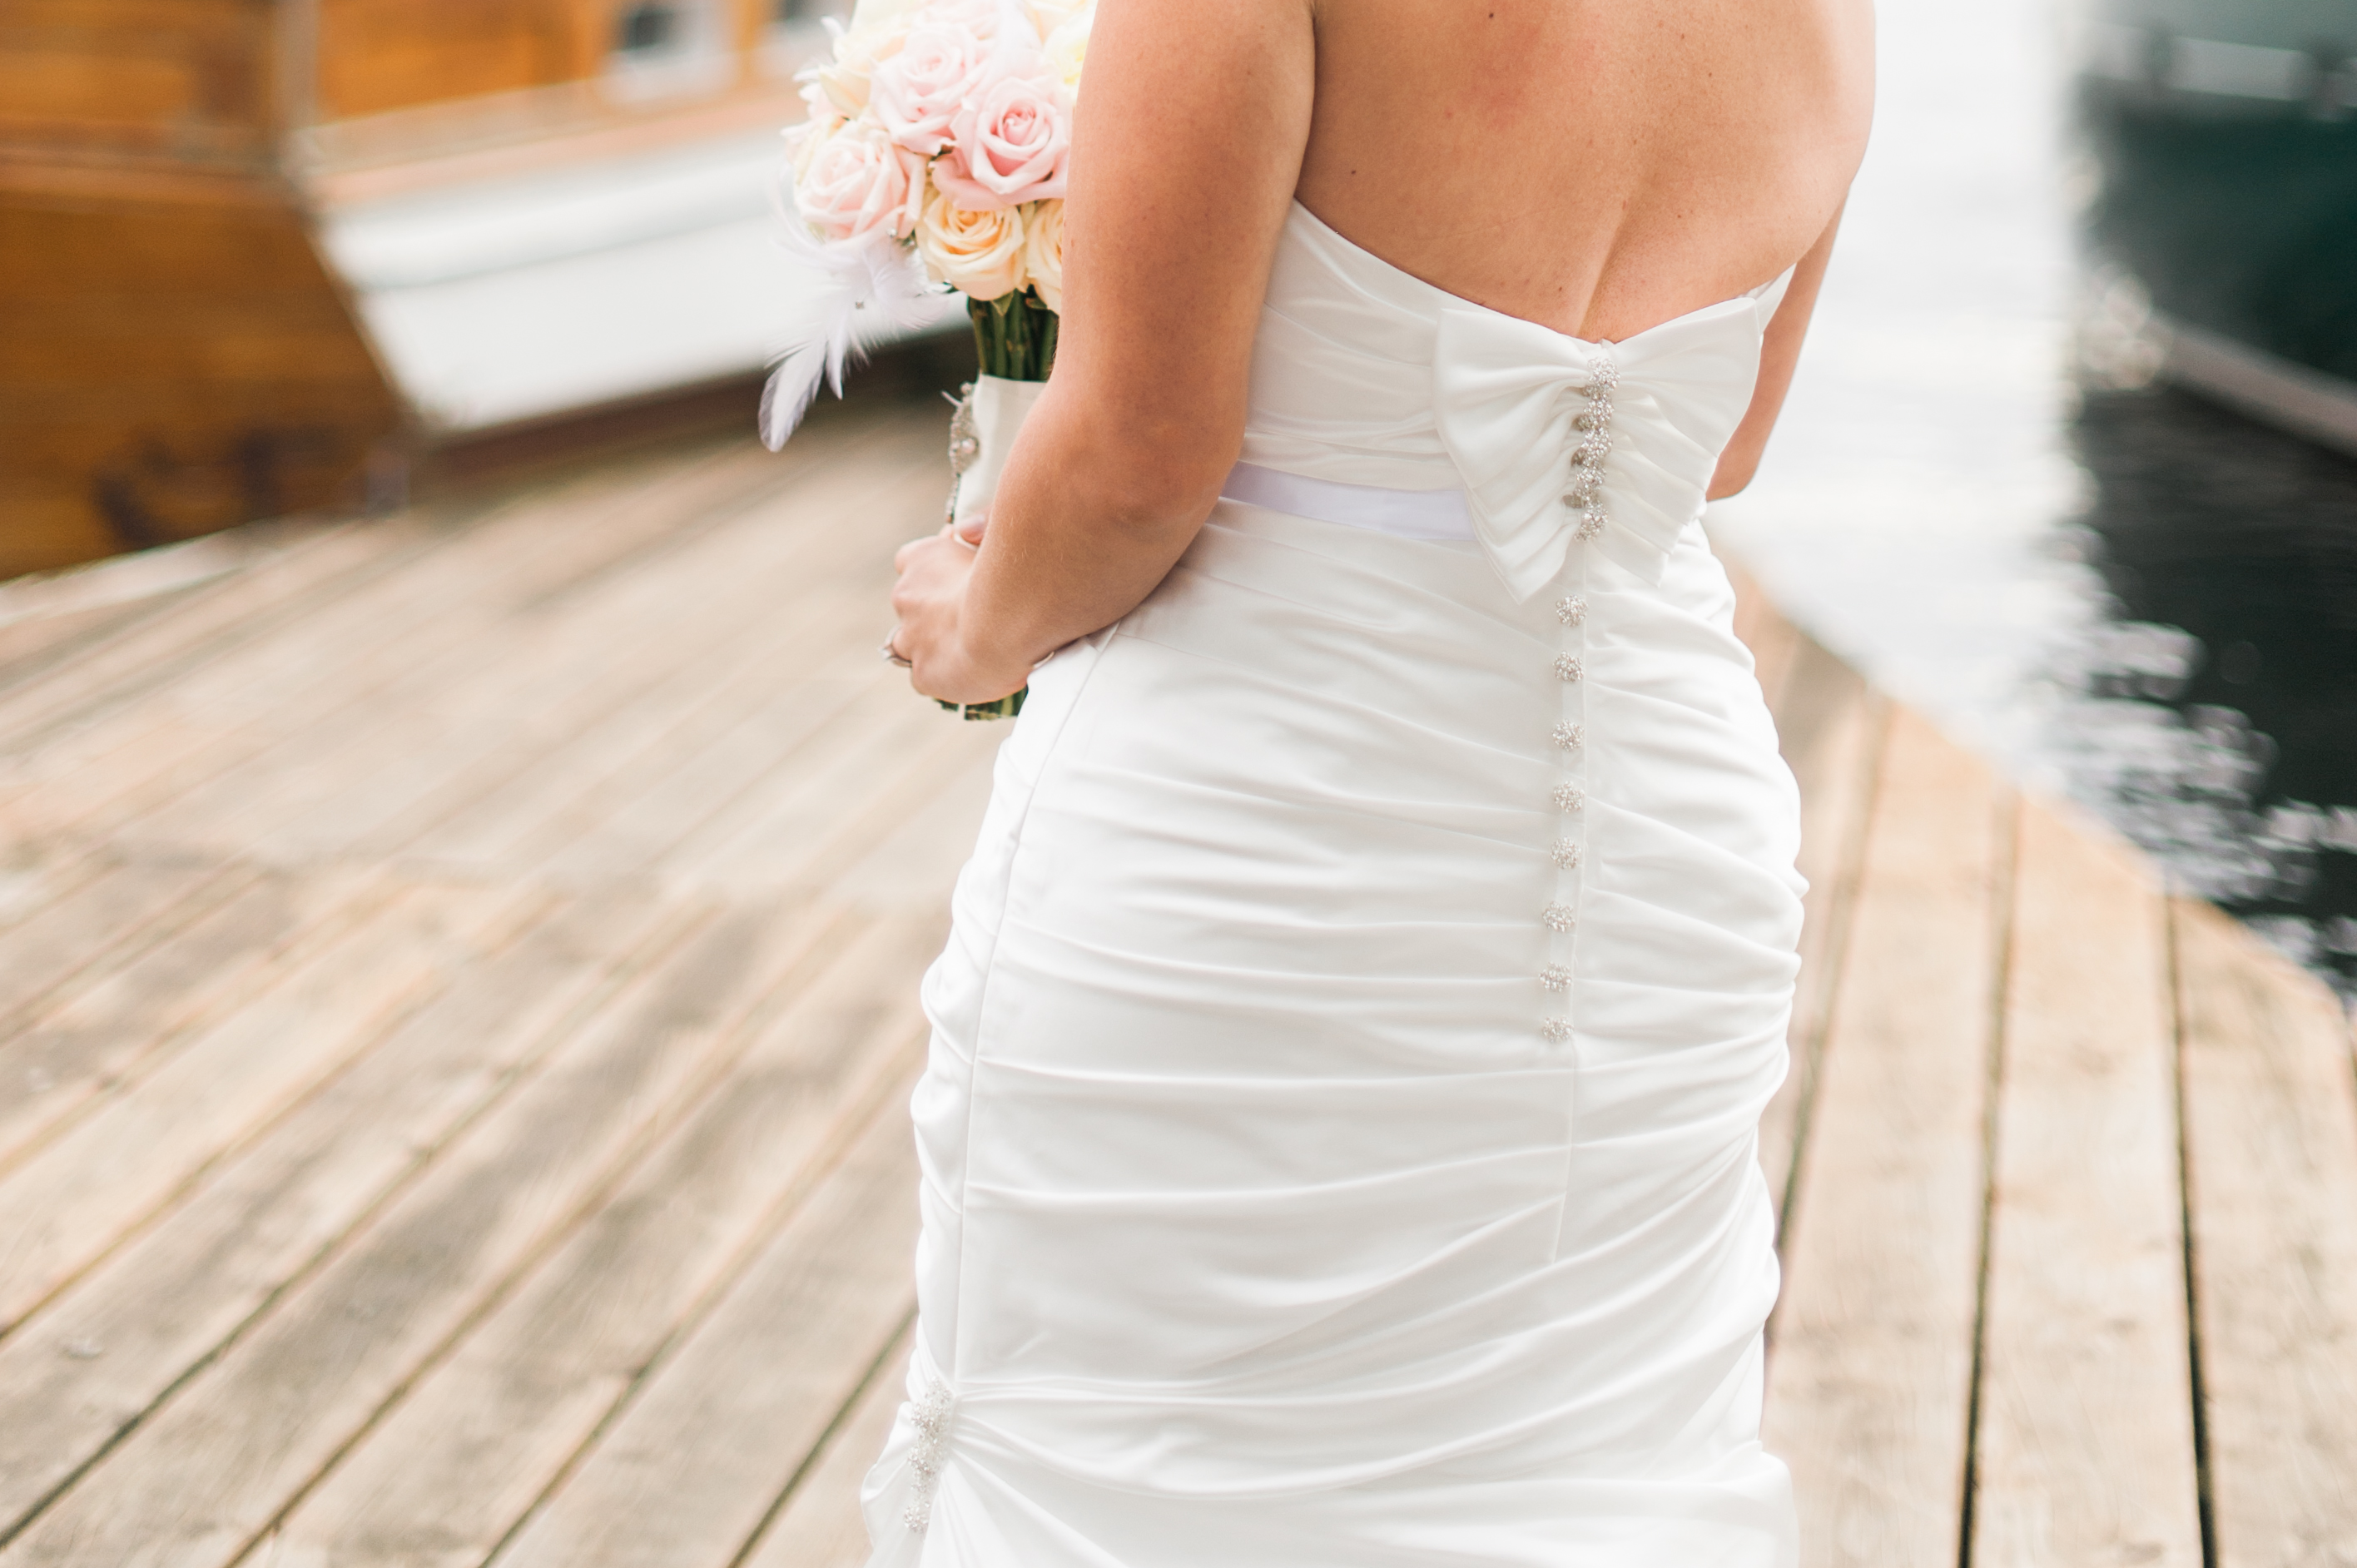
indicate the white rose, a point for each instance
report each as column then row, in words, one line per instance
column 978, row 253
column 1066, row 47
column 845, row 78
column 1043, row 252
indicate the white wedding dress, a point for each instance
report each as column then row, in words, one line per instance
column 1339, row 1137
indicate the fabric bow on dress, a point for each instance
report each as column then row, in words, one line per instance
column 1506, row 393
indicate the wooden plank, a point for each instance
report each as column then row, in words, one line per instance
column 414, row 623
column 2085, row 1447
column 688, row 1473
column 443, row 1477
column 2270, row 1117
column 1831, row 725
column 121, row 1019
column 252, row 603
column 144, row 1319
column 817, row 1524
column 914, row 866
column 1870, row 1366
column 627, row 819
column 522, row 682
column 128, row 902
column 765, row 590
column 199, row 1481
column 114, row 1169
column 817, row 620
column 809, row 824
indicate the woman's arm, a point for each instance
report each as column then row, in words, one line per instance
column 1779, row 355
column 1185, row 151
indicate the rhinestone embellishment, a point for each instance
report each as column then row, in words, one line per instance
column 1559, row 917
column 1571, row 611
column 1567, row 668
column 1555, row 1030
column 1554, row 977
column 1595, row 425
column 1570, row 735
column 932, row 1419
column 1565, row 853
column 1570, row 798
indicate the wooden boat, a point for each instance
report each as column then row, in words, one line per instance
column 259, row 256
column 2224, row 217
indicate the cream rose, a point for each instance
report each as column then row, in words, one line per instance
column 918, row 92
column 1066, row 47
column 1010, row 143
column 1043, row 252
column 858, row 182
column 977, row 251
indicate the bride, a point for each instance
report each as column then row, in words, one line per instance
column 1337, row 1140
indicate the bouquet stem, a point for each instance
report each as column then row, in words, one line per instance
column 1015, row 338
column 1015, row 335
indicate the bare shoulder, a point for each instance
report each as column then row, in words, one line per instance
column 1597, row 165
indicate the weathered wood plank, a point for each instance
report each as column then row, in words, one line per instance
column 627, row 822
column 2270, row 1114
column 114, row 1169
column 912, row 867
column 146, row 1317
column 809, row 625
column 531, row 681
column 119, row 1020
column 306, row 572
column 1831, row 725
column 689, row 1472
column 818, row 1523
column 150, row 743
column 199, row 1482
column 818, row 817
column 445, row 1475
column 778, row 602
column 91, row 918
column 2085, row 1447
column 1870, row 1369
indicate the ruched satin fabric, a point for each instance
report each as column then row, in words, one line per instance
column 1264, row 1224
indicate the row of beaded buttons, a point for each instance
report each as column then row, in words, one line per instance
column 1570, row 735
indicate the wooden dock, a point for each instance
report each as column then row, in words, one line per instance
column 458, row 1003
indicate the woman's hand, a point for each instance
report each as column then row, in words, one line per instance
column 929, row 601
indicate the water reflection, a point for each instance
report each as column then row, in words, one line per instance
column 2214, row 721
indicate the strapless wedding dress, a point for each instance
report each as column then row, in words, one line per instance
column 1339, row 1135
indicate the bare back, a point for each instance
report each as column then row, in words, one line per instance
column 1597, row 165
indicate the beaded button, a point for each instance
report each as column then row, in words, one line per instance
column 1584, row 496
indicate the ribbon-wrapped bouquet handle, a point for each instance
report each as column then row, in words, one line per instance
column 932, row 160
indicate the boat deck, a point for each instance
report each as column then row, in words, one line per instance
column 458, row 1004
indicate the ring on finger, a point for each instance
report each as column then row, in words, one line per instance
column 892, row 655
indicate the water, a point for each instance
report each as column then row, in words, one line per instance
column 2132, row 598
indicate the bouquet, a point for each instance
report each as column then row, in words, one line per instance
column 933, row 158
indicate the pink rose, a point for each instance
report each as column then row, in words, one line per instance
column 1010, row 144
column 856, row 182
column 917, row 94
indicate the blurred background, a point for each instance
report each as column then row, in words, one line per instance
column 2071, row 462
